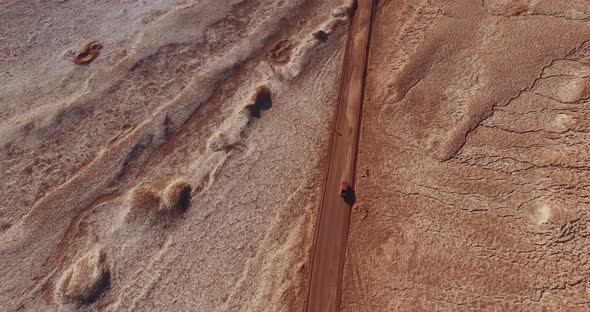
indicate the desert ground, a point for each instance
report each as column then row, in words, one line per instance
column 174, row 155
column 473, row 159
column 175, row 164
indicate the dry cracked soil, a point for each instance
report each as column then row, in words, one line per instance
column 170, row 155
column 163, row 155
column 473, row 159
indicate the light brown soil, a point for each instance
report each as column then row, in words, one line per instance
column 170, row 155
column 473, row 160
column 100, row 155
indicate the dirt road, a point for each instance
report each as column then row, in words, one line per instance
column 332, row 231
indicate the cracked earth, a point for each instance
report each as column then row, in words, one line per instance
column 169, row 155
column 163, row 155
column 473, row 160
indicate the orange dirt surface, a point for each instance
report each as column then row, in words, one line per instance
column 472, row 175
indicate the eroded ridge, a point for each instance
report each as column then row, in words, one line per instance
column 139, row 182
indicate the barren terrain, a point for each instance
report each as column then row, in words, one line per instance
column 473, row 159
column 163, row 155
column 185, row 155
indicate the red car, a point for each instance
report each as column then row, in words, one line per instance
column 347, row 193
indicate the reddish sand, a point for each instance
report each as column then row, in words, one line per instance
column 473, row 159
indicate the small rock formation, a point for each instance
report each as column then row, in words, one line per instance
column 261, row 101
column 229, row 135
column 89, row 53
column 146, row 206
column 219, row 141
column 4, row 226
column 321, row 36
column 176, row 198
column 143, row 204
column 281, row 52
column 346, row 10
column 85, row 280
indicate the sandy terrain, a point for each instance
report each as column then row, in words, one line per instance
column 172, row 155
column 473, row 159
column 176, row 165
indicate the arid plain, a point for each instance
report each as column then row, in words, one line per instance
column 172, row 155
